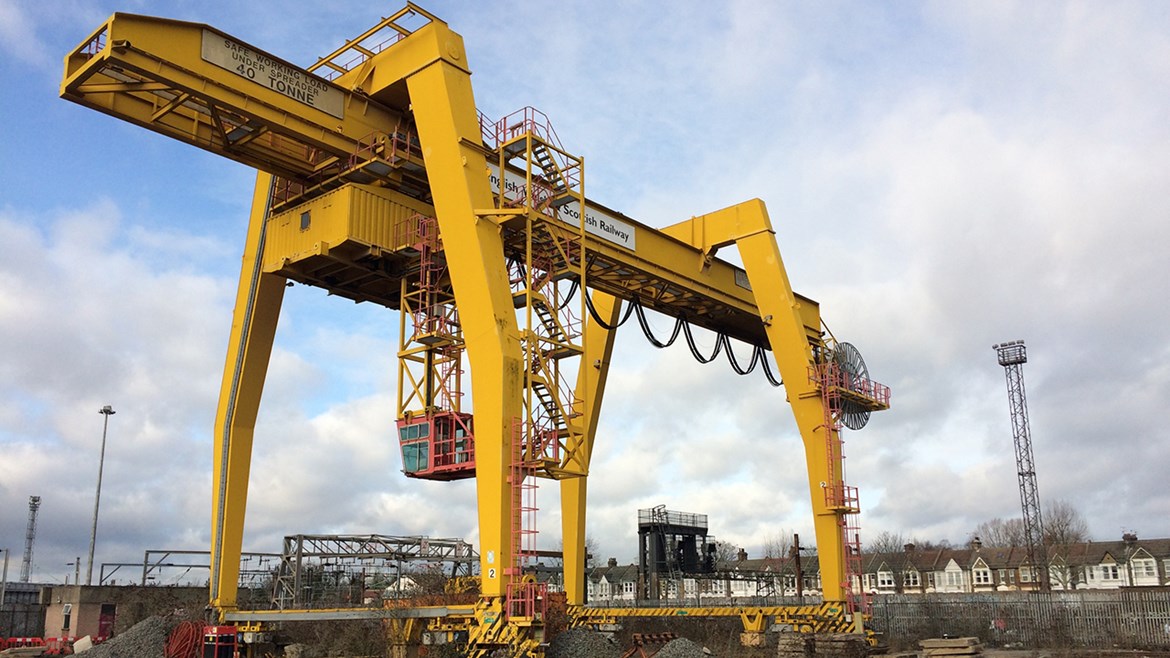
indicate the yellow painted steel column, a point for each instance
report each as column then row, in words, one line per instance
column 254, row 321
column 591, row 379
column 448, row 129
column 789, row 340
column 748, row 227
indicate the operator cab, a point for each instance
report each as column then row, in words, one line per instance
column 437, row 446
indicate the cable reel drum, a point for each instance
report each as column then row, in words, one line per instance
column 854, row 377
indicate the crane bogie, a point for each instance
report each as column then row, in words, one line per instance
column 496, row 262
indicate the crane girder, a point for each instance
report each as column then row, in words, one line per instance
column 666, row 273
column 172, row 77
column 151, row 72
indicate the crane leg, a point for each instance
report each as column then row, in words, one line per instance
column 788, row 337
column 449, row 131
column 591, row 380
column 791, row 330
column 257, row 310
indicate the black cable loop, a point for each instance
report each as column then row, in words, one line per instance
column 721, row 343
column 695, row 350
column 569, row 297
column 768, row 369
column 735, row 362
column 678, row 324
column 597, row 318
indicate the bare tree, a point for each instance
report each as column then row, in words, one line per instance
column 1064, row 524
column 928, row 544
column 886, row 542
column 778, row 546
column 591, row 549
column 998, row 533
column 725, row 552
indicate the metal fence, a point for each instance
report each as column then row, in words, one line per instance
column 1128, row 619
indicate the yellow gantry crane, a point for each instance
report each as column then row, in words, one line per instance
column 379, row 181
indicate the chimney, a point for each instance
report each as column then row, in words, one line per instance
column 1130, row 538
column 612, row 562
column 741, row 555
column 976, row 543
column 909, row 548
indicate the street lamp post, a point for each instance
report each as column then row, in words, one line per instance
column 106, row 411
column 4, row 579
column 76, row 564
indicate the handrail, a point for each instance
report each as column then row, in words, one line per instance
column 358, row 50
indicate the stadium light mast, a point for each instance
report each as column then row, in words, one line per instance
column 1012, row 356
column 106, row 412
column 30, row 537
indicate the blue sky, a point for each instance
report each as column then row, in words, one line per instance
column 942, row 176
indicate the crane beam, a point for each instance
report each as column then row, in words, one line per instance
column 154, row 72
column 666, row 272
column 198, row 85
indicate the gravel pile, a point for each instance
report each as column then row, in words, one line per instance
column 582, row 643
column 683, row 648
column 146, row 639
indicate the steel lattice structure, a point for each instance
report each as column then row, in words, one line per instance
column 1012, row 356
column 30, row 537
column 343, row 562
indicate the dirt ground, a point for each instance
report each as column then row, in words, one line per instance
column 721, row 636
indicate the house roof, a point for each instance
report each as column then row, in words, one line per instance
column 998, row 557
column 766, row 565
column 617, row 574
column 925, row 560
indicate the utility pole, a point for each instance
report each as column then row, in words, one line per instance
column 1012, row 356
column 30, row 536
column 799, row 570
column 4, row 580
column 106, row 412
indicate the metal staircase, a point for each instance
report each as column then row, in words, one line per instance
column 541, row 188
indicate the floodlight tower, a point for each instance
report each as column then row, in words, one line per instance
column 30, row 535
column 1012, row 356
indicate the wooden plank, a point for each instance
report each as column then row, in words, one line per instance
column 955, row 651
column 949, row 643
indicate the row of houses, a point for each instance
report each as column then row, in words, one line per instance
column 1129, row 562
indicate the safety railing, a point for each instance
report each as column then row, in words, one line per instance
column 669, row 517
column 527, row 600
column 525, row 119
column 96, row 43
column 831, row 376
column 386, row 33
